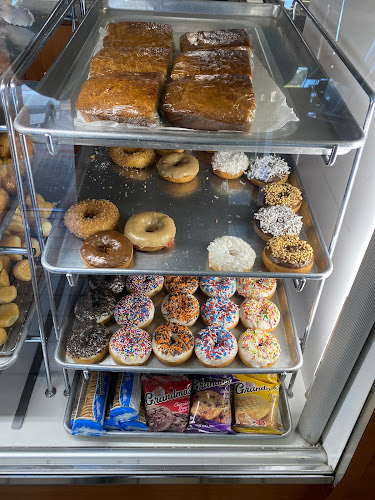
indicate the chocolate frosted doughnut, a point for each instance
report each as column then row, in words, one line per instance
column 107, row 249
column 96, row 306
column 88, row 343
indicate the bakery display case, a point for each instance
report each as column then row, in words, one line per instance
column 301, row 112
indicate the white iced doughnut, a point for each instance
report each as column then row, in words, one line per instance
column 173, row 344
column 262, row 288
column 258, row 349
column 259, row 313
column 215, row 287
column 149, row 285
column 230, row 253
column 180, row 308
column 220, row 311
column 215, row 346
column 130, row 346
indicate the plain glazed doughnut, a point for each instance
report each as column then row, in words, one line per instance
column 95, row 306
column 150, row 231
column 266, row 169
column 178, row 167
column 288, row 254
column 134, row 310
column 132, row 157
column 149, row 285
column 230, row 253
column 220, row 311
column 216, row 287
column 88, row 217
column 277, row 221
column 259, row 314
column 258, row 349
column 282, row 194
column 229, row 164
column 180, row 308
column 107, row 249
column 181, row 284
column 257, row 288
column 215, row 346
column 130, row 346
column 173, row 344
column 88, row 343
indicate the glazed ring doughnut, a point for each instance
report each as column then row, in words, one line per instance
column 258, row 349
column 107, row 249
column 173, row 344
column 259, row 314
column 132, row 157
column 230, row 253
column 90, row 216
column 288, row 254
column 282, row 194
column 150, row 231
column 178, row 167
column 162, row 152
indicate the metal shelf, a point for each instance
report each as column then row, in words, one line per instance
column 284, row 419
column 325, row 122
column 290, row 359
column 203, row 209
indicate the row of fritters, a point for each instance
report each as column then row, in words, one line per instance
column 214, row 346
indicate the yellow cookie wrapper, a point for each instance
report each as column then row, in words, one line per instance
column 256, row 403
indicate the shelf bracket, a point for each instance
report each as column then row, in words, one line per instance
column 299, row 284
column 86, row 374
column 72, row 279
column 50, row 144
column 329, row 160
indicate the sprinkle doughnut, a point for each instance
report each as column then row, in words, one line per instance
column 132, row 157
column 173, row 344
column 266, row 169
column 230, row 253
column 130, row 346
column 288, row 254
column 150, row 231
column 229, row 164
column 95, row 306
column 180, row 308
column 134, row 310
column 181, row 284
column 220, row 311
column 178, row 167
column 107, row 249
column 162, row 152
column 259, row 313
column 282, row 194
column 258, row 349
column 277, row 221
column 90, row 216
column 149, row 285
column 215, row 287
column 256, row 288
column 114, row 282
column 88, row 343
column 215, row 346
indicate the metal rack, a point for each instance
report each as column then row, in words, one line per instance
column 52, row 133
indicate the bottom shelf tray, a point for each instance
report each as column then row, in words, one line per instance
column 284, row 418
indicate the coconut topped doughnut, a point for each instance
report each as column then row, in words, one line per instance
column 268, row 169
column 229, row 164
column 278, row 221
column 230, row 253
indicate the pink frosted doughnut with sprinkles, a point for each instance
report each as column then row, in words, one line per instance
column 258, row 349
column 259, row 314
column 134, row 310
column 215, row 287
column 215, row 346
column 256, row 288
column 130, row 346
column 149, row 285
column 220, row 311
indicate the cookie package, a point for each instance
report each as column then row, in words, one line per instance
column 256, row 403
column 125, row 398
column 167, row 401
column 210, row 409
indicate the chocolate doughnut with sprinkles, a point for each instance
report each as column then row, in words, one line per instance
column 95, row 306
column 220, row 311
column 130, row 346
column 173, row 344
column 277, row 221
column 180, row 308
column 282, row 194
column 135, row 310
column 88, row 343
column 266, row 169
column 288, row 254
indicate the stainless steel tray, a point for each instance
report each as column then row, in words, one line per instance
column 203, row 209
column 290, row 359
column 325, row 121
column 284, row 419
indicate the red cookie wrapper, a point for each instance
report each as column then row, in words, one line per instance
column 167, row 400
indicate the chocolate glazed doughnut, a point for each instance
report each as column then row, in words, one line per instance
column 107, row 249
